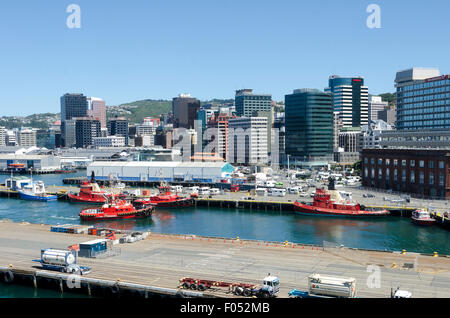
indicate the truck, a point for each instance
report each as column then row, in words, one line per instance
column 320, row 286
column 62, row 260
column 268, row 289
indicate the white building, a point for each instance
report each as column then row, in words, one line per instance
column 376, row 104
column 110, row 141
column 247, row 140
column 372, row 133
column 2, row 136
column 145, row 130
column 169, row 171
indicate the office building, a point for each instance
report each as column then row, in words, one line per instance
column 185, row 108
column 373, row 132
column 86, row 129
column 248, row 104
column 45, row 138
column 109, row 141
column 27, row 138
column 309, row 127
column 376, row 105
column 350, row 99
column 72, row 106
column 423, row 99
column 2, row 136
column 388, row 115
column 118, row 127
column 247, row 140
column 97, row 110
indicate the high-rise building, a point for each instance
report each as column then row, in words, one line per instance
column 423, row 99
column 185, row 108
column 247, row 140
column 45, row 138
column 118, row 127
column 309, row 126
column 72, row 106
column 255, row 105
column 376, row 105
column 97, row 110
column 350, row 99
column 86, row 129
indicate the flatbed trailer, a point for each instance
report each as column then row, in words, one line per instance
column 269, row 288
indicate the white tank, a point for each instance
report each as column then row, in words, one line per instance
column 58, row 257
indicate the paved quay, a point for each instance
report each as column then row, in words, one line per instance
column 161, row 260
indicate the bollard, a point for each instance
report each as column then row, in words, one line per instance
column 435, row 254
column 237, row 238
column 403, row 252
column 394, row 265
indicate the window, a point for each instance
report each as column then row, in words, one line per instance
column 421, row 163
column 373, row 173
column 388, row 162
column 395, row 162
column 404, row 163
column 431, row 178
column 395, row 175
column 372, row 160
column 431, row 164
column 441, row 164
column 421, row 177
column 366, row 160
column 387, row 174
column 441, row 179
column 380, row 174
column 403, row 175
column 380, row 161
column 413, row 177
column 412, row 163
column 366, row 172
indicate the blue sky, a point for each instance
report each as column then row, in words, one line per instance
column 138, row 49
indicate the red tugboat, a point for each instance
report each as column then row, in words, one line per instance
column 422, row 217
column 118, row 209
column 90, row 192
column 165, row 199
column 330, row 203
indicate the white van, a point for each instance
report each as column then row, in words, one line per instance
column 269, row 184
column 294, row 190
column 214, row 191
column 176, row 189
column 204, row 191
column 261, row 192
column 192, row 189
column 278, row 192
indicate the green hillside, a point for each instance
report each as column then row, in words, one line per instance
column 137, row 110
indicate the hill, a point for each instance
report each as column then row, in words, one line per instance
column 136, row 111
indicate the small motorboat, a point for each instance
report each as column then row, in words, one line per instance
column 422, row 217
column 35, row 191
column 167, row 199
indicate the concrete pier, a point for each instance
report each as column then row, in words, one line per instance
column 155, row 265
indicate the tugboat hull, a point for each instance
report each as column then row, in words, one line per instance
column 305, row 209
column 143, row 213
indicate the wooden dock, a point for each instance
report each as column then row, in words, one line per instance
column 153, row 267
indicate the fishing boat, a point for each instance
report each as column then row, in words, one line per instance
column 90, row 192
column 167, row 199
column 422, row 217
column 117, row 209
column 36, row 191
column 331, row 203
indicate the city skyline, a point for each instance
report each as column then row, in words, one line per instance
column 208, row 49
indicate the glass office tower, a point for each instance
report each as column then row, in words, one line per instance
column 309, row 125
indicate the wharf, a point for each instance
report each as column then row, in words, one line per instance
column 153, row 267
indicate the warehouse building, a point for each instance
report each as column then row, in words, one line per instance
column 36, row 162
column 169, row 171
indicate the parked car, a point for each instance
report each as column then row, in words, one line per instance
column 368, row 195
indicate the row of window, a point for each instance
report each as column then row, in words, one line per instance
column 412, row 176
column 424, row 85
column 412, row 163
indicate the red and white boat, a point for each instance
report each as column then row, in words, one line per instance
column 331, row 203
column 422, row 217
column 90, row 192
column 118, row 209
column 167, row 199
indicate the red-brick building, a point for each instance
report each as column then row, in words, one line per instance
column 415, row 171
